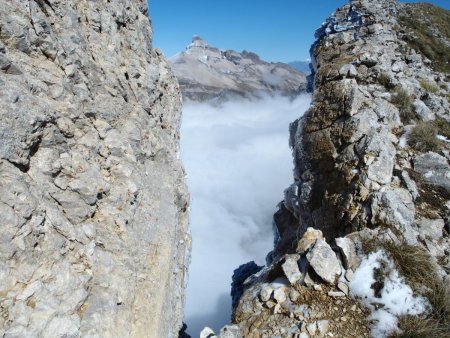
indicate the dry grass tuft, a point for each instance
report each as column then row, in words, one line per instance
column 424, row 137
column 417, row 327
column 403, row 102
column 412, row 262
column 385, row 81
column 439, row 297
column 416, row 266
column 442, row 126
column 429, row 86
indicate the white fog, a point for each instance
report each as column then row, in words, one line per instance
column 238, row 163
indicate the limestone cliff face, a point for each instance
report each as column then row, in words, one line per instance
column 371, row 166
column 93, row 203
column 350, row 151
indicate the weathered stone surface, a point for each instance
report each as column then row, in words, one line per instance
column 207, row 333
column 346, row 145
column 230, row 331
column 324, row 261
column 336, row 294
column 266, row 293
column 322, row 326
column 395, row 207
column 343, row 287
column 348, row 251
column 280, row 295
column 93, row 200
column 423, row 111
column 291, row 269
column 434, row 168
column 311, row 328
column 308, row 239
column 349, row 275
column 430, row 228
column 348, row 71
column 410, row 185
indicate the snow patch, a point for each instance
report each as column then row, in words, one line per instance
column 394, row 299
column 443, row 138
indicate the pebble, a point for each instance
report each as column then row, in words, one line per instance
column 336, row 294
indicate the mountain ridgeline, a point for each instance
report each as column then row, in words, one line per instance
column 206, row 73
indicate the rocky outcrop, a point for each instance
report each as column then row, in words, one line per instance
column 371, row 173
column 349, row 148
column 207, row 73
column 93, row 203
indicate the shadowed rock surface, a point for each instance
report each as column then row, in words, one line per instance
column 93, row 203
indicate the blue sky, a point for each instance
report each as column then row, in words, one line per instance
column 277, row 31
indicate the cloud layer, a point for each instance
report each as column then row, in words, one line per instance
column 238, row 163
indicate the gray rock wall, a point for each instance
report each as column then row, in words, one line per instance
column 370, row 164
column 350, row 149
column 93, row 203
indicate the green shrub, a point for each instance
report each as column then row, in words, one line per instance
column 424, row 137
column 428, row 86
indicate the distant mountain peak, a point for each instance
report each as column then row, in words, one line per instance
column 197, row 41
column 206, row 72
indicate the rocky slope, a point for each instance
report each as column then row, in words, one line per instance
column 371, row 177
column 92, row 195
column 208, row 73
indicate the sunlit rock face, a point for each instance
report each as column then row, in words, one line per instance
column 371, row 162
column 93, row 204
column 208, row 73
column 353, row 146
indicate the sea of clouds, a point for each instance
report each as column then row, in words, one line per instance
column 238, row 163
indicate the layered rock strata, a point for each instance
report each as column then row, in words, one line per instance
column 371, row 162
column 93, row 203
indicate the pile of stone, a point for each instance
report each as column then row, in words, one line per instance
column 302, row 294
